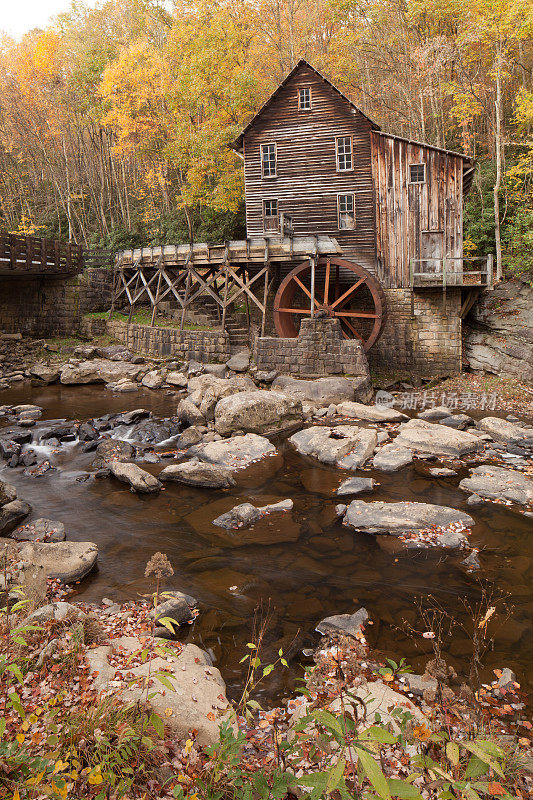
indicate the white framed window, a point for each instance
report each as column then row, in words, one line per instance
column 346, row 212
column 304, row 98
column 417, row 173
column 268, row 160
column 270, row 215
column 344, row 153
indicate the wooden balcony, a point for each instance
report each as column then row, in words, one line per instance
column 445, row 273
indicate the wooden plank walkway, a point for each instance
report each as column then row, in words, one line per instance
column 28, row 256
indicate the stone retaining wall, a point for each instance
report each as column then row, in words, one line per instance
column 427, row 344
column 319, row 350
column 204, row 346
column 46, row 307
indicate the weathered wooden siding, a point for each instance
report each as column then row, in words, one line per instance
column 413, row 220
column 307, row 182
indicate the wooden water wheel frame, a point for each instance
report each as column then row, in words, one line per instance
column 330, row 300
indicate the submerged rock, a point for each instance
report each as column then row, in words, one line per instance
column 436, row 439
column 499, row 484
column 346, row 446
column 260, row 411
column 247, row 514
column 138, row 479
column 198, row 473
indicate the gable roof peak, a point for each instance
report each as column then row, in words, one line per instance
column 238, row 143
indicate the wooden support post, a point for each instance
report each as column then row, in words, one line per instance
column 313, row 281
column 225, row 299
column 247, row 304
column 154, row 309
column 412, row 285
column 490, row 272
column 29, row 251
column 132, row 303
column 184, row 309
column 265, row 298
column 444, row 287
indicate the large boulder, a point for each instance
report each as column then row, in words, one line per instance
column 404, row 517
column 235, row 453
column 346, row 446
column 392, row 457
column 138, row 479
column 189, row 414
column 374, row 413
column 319, row 392
column 246, row 514
column 432, row 438
column 198, row 701
column 498, row 483
column 503, row 430
column 260, row 411
column 152, row 380
column 98, row 370
column 67, row 561
column 11, row 515
column 197, row 473
column 239, row 362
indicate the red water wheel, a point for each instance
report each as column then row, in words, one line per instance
column 343, row 290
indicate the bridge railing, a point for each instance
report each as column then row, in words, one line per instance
column 29, row 254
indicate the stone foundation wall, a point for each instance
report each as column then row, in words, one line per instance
column 46, row 307
column 319, row 350
column 427, row 344
column 204, row 346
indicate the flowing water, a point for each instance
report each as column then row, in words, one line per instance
column 308, row 567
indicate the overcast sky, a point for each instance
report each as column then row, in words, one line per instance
column 19, row 16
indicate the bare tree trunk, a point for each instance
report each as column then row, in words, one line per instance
column 498, row 143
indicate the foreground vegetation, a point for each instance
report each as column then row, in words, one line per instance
column 59, row 739
column 115, row 121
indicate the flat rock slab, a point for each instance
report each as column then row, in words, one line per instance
column 345, row 624
column 138, row 479
column 235, row 453
column 40, row 530
column 443, row 524
column 355, row 486
column 435, row 439
column 198, row 473
column 319, row 392
column 260, row 411
column 498, row 483
column 98, row 370
column 67, row 561
column 346, row 446
column 502, row 430
column 199, row 698
column 374, row 413
column 246, row 514
column 392, row 457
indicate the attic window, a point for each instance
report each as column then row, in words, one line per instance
column 304, row 99
column 344, row 153
column 417, row 173
column 268, row 160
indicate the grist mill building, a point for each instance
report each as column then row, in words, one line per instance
column 350, row 230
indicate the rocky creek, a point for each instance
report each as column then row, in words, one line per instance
column 296, row 564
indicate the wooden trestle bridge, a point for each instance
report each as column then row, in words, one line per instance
column 308, row 272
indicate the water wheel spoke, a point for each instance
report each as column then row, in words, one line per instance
column 293, row 310
column 361, row 314
column 351, row 327
column 304, row 288
column 326, row 282
column 344, row 297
